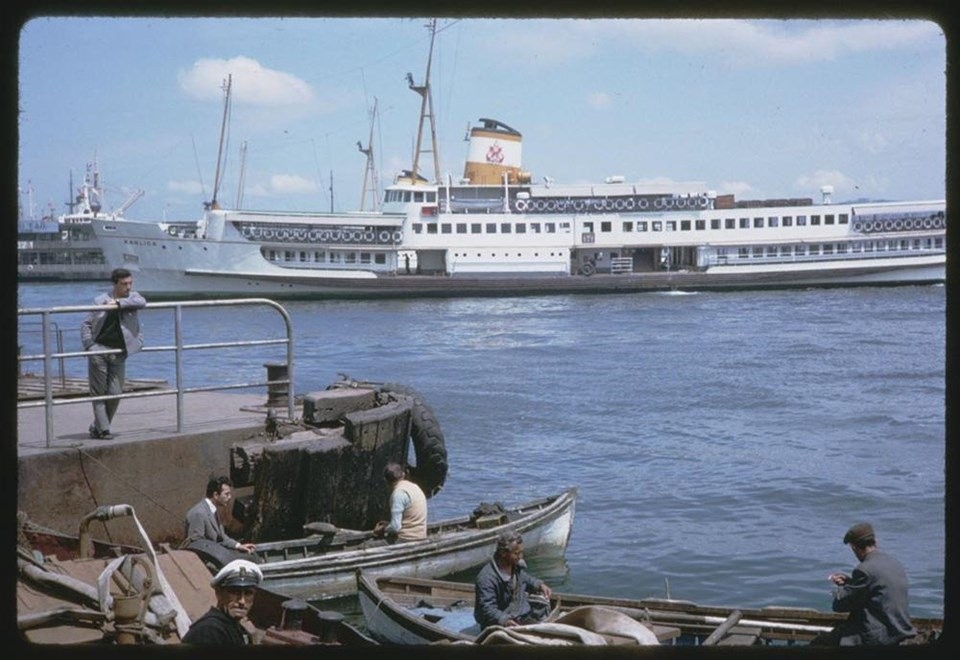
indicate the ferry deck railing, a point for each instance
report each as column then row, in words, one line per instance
column 274, row 377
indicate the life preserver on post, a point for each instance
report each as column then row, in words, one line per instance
column 521, row 205
column 384, row 237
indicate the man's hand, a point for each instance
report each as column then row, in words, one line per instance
column 380, row 528
column 838, row 579
column 246, row 547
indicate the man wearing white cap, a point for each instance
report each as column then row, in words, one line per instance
column 234, row 585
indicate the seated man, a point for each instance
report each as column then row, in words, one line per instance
column 226, row 623
column 408, row 508
column 203, row 519
column 503, row 584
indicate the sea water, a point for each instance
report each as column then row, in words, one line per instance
column 722, row 443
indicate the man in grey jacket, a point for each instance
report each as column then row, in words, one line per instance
column 875, row 596
column 117, row 328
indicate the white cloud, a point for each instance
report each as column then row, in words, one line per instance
column 252, row 83
column 291, row 183
column 841, row 182
column 599, row 100
column 188, row 187
column 734, row 40
column 736, row 188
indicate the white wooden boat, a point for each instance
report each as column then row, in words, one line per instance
column 323, row 566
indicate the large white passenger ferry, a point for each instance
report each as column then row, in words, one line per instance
column 496, row 232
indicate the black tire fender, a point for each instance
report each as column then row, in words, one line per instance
column 429, row 445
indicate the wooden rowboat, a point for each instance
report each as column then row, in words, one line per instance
column 323, row 566
column 424, row 611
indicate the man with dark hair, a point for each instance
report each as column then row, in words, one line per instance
column 235, row 587
column 408, row 508
column 116, row 329
column 203, row 519
column 875, row 596
column 502, row 585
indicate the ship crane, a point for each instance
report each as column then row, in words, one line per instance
column 137, row 194
column 426, row 110
column 370, row 182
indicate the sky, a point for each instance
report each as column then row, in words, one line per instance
column 757, row 108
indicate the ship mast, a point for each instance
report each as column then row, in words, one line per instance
column 223, row 127
column 426, row 110
column 370, row 183
column 243, row 170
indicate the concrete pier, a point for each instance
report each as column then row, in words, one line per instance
column 149, row 465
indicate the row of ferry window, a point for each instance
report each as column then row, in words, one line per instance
column 606, row 226
column 411, row 196
column 325, row 257
column 832, row 248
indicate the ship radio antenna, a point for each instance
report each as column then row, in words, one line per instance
column 223, row 129
column 370, row 183
column 426, row 110
column 243, row 170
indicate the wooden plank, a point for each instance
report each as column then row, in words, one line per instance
column 740, row 636
column 31, row 387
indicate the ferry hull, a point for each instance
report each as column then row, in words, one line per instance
column 175, row 286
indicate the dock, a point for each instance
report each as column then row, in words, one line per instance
column 148, row 464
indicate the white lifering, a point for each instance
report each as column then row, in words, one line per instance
column 643, row 204
column 313, row 235
column 607, row 204
column 867, row 226
column 629, row 203
column 269, row 234
column 521, row 205
column 384, row 237
column 562, row 205
column 668, row 202
column 927, row 223
column 898, row 224
column 597, row 204
column 550, row 205
column 658, row 203
column 704, row 202
column 324, row 236
column 888, row 224
column 300, row 233
column 578, row 205
column 397, row 236
column 335, row 236
column 538, row 205
column 618, row 204
column 256, row 232
column 368, row 236
column 857, row 226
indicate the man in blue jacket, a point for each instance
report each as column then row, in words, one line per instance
column 117, row 328
column 503, row 584
column 875, row 596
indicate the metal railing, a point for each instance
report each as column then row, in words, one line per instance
column 178, row 348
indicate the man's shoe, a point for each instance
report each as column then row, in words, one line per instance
column 94, row 432
column 106, row 435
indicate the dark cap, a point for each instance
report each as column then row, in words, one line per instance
column 859, row 533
